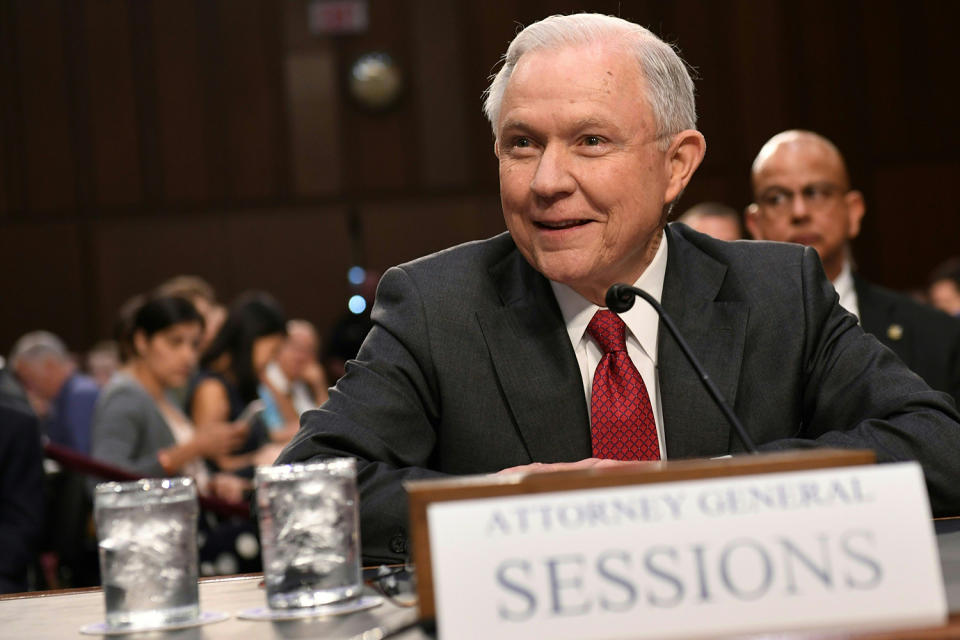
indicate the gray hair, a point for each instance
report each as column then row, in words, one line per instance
column 669, row 86
column 37, row 345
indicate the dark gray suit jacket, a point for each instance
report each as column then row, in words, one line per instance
column 926, row 339
column 469, row 369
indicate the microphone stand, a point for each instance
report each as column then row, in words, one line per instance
column 620, row 297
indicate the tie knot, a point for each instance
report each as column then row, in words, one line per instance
column 608, row 330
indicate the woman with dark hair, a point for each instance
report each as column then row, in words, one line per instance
column 137, row 427
column 231, row 370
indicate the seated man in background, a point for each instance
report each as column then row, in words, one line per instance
column 293, row 381
column 500, row 354
column 21, row 496
column 714, row 219
column 61, row 397
column 944, row 289
column 802, row 194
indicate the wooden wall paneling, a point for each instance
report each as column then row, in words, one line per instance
column 180, row 102
column 143, row 71
column 701, row 31
column 313, row 112
column 249, row 39
column 883, row 79
column 43, row 286
column 113, row 118
column 439, row 96
column 48, row 147
column 931, row 60
column 920, row 229
column 134, row 255
column 444, row 221
column 760, row 76
column 487, row 31
column 215, row 104
column 380, row 150
column 297, row 255
column 10, row 148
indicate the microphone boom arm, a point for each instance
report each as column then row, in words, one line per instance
column 620, row 298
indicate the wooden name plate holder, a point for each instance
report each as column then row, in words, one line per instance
column 424, row 493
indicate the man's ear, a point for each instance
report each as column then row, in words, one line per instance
column 751, row 218
column 856, row 207
column 683, row 157
column 496, row 147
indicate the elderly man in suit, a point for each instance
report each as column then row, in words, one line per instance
column 802, row 194
column 498, row 354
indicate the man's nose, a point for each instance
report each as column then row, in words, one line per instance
column 553, row 178
column 799, row 209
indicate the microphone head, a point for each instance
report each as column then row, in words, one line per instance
column 620, row 298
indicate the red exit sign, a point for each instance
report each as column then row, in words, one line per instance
column 337, row 16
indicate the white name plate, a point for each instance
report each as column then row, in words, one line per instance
column 837, row 548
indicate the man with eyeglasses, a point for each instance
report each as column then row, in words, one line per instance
column 802, row 194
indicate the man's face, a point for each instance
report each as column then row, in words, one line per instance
column 582, row 181
column 801, row 196
column 719, row 227
column 298, row 352
column 945, row 296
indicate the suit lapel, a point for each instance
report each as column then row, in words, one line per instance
column 535, row 364
column 715, row 330
column 878, row 317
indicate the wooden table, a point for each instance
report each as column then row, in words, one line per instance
column 58, row 615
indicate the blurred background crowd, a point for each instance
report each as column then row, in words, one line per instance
column 197, row 198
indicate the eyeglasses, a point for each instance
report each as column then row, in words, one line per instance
column 778, row 202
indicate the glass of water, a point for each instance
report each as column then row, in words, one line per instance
column 309, row 529
column 147, row 532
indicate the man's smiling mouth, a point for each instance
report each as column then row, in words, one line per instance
column 563, row 224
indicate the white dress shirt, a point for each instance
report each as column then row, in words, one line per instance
column 643, row 326
column 844, row 286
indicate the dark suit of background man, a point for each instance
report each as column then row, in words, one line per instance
column 478, row 359
column 802, row 194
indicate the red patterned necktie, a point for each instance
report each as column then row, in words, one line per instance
column 623, row 426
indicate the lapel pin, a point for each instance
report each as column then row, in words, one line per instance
column 894, row 332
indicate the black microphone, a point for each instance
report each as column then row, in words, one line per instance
column 620, row 297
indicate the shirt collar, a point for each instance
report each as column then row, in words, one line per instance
column 641, row 320
column 845, row 289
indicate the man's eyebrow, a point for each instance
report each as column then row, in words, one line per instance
column 590, row 123
column 516, row 125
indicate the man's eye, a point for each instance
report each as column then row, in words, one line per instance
column 774, row 199
column 521, row 142
column 593, row 141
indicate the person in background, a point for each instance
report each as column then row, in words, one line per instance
column 293, row 382
column 103, row 360
column 944, row 288
column 802, row 194
column 136, row 426
column 350, row 330
column 714, row 219
column 232, row 369
column 201, row 293
column 21, row 496
column 61, row 397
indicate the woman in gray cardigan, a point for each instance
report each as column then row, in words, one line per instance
column 136, row 426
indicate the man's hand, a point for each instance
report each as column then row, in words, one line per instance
column 587, row 463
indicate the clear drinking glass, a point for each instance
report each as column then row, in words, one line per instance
column 147, row 532
column 309, row 529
